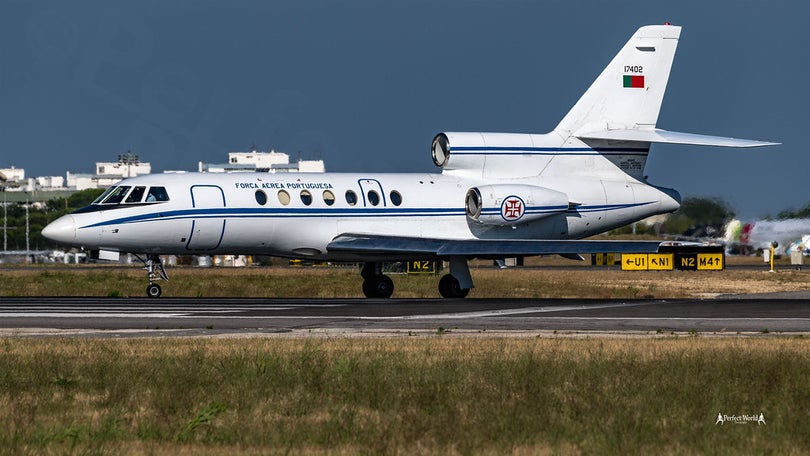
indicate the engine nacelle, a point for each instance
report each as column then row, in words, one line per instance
column 509, row 204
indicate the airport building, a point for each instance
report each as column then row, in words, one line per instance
column 16, row 188
column 262, row 162
column 108, row 173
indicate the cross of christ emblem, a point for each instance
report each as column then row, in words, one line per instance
column 512, row 208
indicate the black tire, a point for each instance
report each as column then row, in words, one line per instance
column 153, row 290
column 450, row 288
column 378, row 287
column 368, row 288
column 385, row 287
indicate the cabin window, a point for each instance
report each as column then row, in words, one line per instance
column 157, row 194
column 351, row 197
column 283, row 197
column 261, row 197
column 117, row 195
column 373, row 197
column 306, row 197
column 136, row 195
column 396, row 198
column 328, row 197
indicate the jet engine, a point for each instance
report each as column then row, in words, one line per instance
column 509, row 204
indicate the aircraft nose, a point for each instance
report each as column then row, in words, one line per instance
column 61, row 230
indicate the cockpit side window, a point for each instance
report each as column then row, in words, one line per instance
column 136, row 195
column 157, row 194
column 116, row 195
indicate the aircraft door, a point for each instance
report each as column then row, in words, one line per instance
column 373, row 194
column 208, row 225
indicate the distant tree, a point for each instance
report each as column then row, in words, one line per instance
column 707, row 211
column 38, row 218
column 84, row 197
column 699, row 217
column 791, row 214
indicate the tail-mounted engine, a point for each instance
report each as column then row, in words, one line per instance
column 502, row 155
column 508, row 204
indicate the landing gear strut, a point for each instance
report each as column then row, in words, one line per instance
column 154, row 269
column 375, row 283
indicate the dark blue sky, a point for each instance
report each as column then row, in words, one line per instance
column 365, row 85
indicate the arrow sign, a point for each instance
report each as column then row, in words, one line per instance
column 634, row 262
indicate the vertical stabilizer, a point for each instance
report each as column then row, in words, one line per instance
column 628, row 93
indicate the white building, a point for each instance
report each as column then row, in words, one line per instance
column 83, row 181
column 262, row 162
column 108, row 173
column 50, row 182
column 122, row 170
column 14, row 180
column 12, row 174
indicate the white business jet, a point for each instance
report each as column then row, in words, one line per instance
column 498, row 194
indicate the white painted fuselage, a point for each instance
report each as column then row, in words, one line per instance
column 298, row 215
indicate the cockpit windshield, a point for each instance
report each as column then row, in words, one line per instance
column 117, row 195
column 137, row 195
column 122, row 196
column 103, row 195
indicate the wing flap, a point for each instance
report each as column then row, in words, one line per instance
column 483, row 248
column 672, row 137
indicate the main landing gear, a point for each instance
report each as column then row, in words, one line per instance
column 457, row 284
column 154, row 269
column 375, row 283
column 449, row 287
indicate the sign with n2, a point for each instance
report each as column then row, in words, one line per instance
column 686, row 261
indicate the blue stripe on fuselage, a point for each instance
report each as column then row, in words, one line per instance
column 232, row 212
column 575, row 151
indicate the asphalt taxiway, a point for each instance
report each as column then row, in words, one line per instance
column 771, row 313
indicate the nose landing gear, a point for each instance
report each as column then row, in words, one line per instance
column 154, row 270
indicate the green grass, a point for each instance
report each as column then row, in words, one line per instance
column 408, row 395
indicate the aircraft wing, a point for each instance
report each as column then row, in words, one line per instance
column 365, row 244
column 672, row 137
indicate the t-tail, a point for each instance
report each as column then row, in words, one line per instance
column 615, row 118
column 623, row 103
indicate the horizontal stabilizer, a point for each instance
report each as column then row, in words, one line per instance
column 672, row 137
column 482, row 248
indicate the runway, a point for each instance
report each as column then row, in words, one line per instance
column 772, row 313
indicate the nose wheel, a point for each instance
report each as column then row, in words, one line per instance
column 154, row 270
column 153, row 290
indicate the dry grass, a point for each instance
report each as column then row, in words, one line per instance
column 344, row 282
column 414, row 395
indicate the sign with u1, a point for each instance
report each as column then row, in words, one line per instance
column 647, row 262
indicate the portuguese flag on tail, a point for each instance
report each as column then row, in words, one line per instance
column 633, row 81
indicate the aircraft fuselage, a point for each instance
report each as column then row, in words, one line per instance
column 297, row 215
